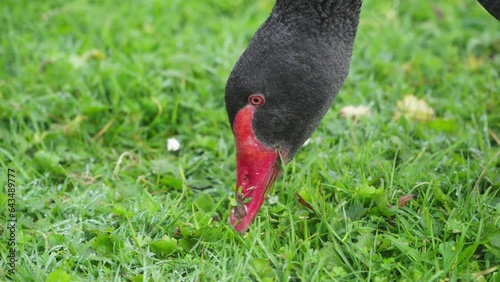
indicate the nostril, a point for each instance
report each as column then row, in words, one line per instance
column 245, row 179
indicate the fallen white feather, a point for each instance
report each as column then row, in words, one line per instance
column 173, row 144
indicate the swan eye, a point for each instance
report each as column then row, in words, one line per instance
column 256, row 100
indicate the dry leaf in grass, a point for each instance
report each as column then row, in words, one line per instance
column 474, row 63
column 403, row 200
column 92, row 54
column 354, row 111
column 413, row 108
column 305, row 203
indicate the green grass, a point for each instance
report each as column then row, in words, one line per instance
column 91, row 90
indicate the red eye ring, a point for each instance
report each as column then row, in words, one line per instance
column 257, row 100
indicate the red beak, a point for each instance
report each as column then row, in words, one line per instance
column 257, row 167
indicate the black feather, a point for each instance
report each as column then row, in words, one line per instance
column 492, row 6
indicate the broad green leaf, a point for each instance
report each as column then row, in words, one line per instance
column 164, row 246
column 59, row 275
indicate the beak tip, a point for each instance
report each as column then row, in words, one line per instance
column 240, row 227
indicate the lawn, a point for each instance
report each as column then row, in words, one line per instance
column 90, row 92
